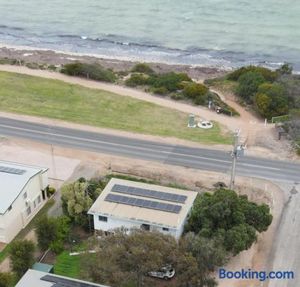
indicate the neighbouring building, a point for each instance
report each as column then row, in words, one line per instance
column 34, row 278
column 22, row 194
column 129, row 204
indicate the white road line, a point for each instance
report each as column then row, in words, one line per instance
column 135, row 147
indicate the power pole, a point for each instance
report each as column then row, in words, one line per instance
column 237, row 151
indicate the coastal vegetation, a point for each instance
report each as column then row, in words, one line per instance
column 58, row 100
column 178, row 86
column 273, row 95
column 89, row 71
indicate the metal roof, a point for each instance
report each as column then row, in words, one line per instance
column 13, row 178
column 129, row 200
column 34, row 278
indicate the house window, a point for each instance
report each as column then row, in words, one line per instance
column 39, row 199
column 10, row 208
column 34, row 204
column 165, row 229
column 102, row 218
column 25, row 195
column 28, row 210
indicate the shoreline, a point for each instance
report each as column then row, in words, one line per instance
column 58, row 58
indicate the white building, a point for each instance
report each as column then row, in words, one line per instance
column 129, row 204
column 33, row 278
column 22, row 194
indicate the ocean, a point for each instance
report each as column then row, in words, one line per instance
column 218, row 33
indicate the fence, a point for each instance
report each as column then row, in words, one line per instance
column 280, row 119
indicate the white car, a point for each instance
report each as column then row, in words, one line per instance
column 205, row 125
column 166, row 273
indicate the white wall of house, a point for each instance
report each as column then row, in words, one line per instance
column 114, row 223
column 24, row 208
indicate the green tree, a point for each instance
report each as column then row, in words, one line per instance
column 126, row 258
column 248, row 85
column 229, row 219
column 21, row 255
column 285, row 69
column 271, row 100
column 77, row 198
column 52, row 232
column 240, row 238
column 45, row 231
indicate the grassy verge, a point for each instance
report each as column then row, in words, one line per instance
column 67, row 265
column 54, row 99
column 21, row 235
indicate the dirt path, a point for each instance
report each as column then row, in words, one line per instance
column 259, row 138
column 205, row 113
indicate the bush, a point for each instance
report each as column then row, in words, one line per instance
column 136, row 80
column 170, row 81
column 142, row 68
column 50, row 190
column 267, row 74
column 6, row 279
column 21, row 255
column 160, row 91
column 270, row 101
column 90, row 71
column 248, row 85
column 197, row 92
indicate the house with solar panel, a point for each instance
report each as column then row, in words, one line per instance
column 128, row 204
column 22, row 194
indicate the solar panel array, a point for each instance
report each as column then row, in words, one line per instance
column 149, row 193
column 143, row 203
column 62, row 282
column 12, row 170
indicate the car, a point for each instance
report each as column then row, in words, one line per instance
column 167, row 272
column 205, row 125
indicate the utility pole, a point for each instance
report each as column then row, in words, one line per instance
column 237, row 151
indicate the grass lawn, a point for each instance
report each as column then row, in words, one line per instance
column 55, row 99
column 67, row 265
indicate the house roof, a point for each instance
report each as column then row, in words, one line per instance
column 13, row 178
column 36, row 278
column 175, row 203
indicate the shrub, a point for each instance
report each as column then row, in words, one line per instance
column 268, row 75
column 21, row 255
column 197, row 92
column 136, row 80
column 6, row 279
column 270, row 101
column 171, row 81
column 50, row 190
column 90, row 71
column 142, row 68
column 248, row 85
column 160, row 91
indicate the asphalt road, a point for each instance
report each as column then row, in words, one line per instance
column 205, row 159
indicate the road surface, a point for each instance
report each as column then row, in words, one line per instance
column 198, row 158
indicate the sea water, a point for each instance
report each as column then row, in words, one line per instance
column 220, row 33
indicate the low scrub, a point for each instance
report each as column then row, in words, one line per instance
column 89, row 71
column 142, row 68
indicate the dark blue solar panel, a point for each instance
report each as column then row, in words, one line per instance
column 143, row 203
column 166, row 196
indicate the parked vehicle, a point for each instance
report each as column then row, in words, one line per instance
column 166, row 272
